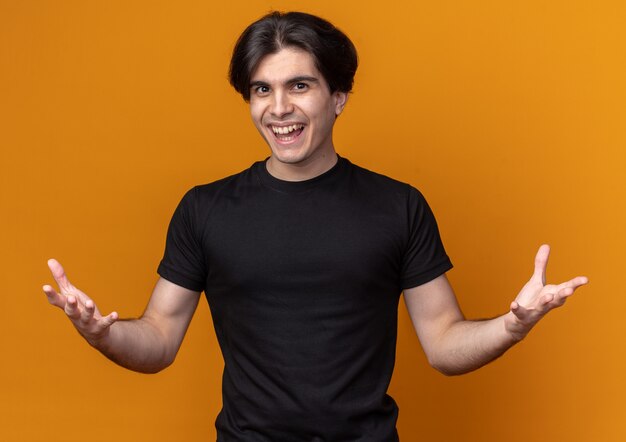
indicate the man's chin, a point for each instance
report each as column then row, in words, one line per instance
column 288, row 160
column 286, row 155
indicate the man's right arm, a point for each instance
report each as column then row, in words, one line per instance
column 147, row 344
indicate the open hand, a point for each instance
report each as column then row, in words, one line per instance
column 536, row 298
column 78, row 307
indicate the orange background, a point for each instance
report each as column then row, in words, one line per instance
column 508, row 115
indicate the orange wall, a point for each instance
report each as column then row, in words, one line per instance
column 508, row 115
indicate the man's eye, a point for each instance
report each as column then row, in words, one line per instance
column 261, row 89
column 300, row 86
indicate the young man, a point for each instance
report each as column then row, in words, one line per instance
column 303, row 259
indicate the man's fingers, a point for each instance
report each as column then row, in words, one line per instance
column 88, row 311
column 518, row 310
column 59, row 274
column 108, row 320
column 53, row 297
column 71, row 307
column 524, row 314
column 567, row 289
column 574, row 283
column 541, row 263
column 546, row 299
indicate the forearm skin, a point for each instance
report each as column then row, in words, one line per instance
column 468, row 345
column 136, row 344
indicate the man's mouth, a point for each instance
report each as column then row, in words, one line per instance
column 287, row 133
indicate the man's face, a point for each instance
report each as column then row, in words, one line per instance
column 293, row 109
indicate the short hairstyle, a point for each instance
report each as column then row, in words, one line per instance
column 334, row 54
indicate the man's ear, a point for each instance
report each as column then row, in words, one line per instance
column 341, row 98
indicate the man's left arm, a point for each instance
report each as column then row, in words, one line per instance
column 454, row 345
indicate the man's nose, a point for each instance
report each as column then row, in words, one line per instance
column 281, row 104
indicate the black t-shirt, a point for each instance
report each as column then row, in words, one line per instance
column 303, row 281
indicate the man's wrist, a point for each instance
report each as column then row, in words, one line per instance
column 101, row 341
column 514, row 329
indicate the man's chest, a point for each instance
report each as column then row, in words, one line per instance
column 288, row 241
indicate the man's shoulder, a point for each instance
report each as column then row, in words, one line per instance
column 227, row 183
column 379, row 180
column 202, row 198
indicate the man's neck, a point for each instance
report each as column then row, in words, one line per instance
column 301, row 171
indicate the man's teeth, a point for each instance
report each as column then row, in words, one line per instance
column 286, row 129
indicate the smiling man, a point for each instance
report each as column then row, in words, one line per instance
column 293, row 109
column 303, row 258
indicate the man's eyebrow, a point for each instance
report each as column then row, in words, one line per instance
column 258, row 83
column 292, row 80
column 300, row 78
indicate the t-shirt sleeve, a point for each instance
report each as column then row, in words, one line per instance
column 183, row 262
column 425, row 258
